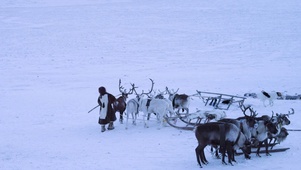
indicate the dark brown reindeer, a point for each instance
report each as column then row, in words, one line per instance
column 120, row 103
column 226, row 135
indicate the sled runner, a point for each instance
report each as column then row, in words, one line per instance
column 271, row 151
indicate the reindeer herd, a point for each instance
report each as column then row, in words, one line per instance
column 228, row 135
column 152, row 104
column 225, row 135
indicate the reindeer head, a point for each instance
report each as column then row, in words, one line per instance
column 250, row 119
column 171, row 93
column 282, row 119
column 123, row 91
column 160, row 95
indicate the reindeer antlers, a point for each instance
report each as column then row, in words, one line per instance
column 134, row 89
column 123, row 91
column 253, row 113
column 150, row 89
column 244, row 109
column 171, row 92
column 291, row 113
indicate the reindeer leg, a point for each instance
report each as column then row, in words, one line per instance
column 121, row 117
column 198, row 155
column 160, row 120
column 223, row 158
column 233, row 154
column 134, row 115
column 223, row 150
column 148, row 116
column 266, row 147
column 145, row 121
column 216, row 153
column 271, row 143
column 204, row 160
column 258, row 149
column 230, row 153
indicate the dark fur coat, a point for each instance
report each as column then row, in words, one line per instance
column 110, row 112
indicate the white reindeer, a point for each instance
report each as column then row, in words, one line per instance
column 132, row 108
column 158, row 106
column 161, row 96
column 147, row 106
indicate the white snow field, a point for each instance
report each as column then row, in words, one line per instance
column 54, row 54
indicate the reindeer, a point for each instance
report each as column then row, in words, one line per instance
column 280, row 120
column 148, row 106
column 226, row 135
column 280, row 137
column 161, row 96
column 245, row 124
column 120, row 103
column 263, row 126
column 179, row 101
column 132, row 108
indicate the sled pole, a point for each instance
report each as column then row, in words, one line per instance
column 93, row 109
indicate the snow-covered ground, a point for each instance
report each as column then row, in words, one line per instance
column 54, row 54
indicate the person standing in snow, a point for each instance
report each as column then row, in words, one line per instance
column 107, row 112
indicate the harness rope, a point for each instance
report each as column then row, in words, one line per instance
column 237, row 138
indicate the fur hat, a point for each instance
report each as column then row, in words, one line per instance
column 102, row 90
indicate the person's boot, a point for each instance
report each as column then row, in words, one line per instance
column 111, row 126
column 103, row 128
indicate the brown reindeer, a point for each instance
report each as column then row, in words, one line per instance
column 120, row 103
column 227, row 135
